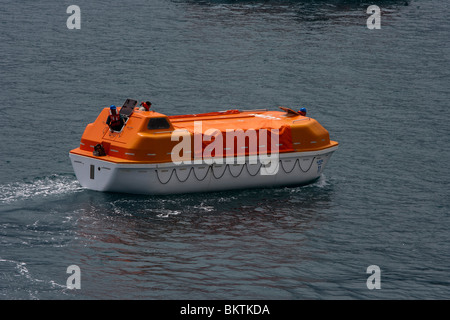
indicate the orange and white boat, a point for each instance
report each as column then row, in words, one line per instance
column 151, row 153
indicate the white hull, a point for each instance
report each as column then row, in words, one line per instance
column 167, row 178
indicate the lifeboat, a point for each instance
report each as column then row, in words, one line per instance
column 152, row 153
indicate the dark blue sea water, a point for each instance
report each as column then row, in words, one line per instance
column 383, row 199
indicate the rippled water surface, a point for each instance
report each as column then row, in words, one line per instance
column 383, row 198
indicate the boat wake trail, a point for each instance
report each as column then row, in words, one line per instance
column 16, row 275
column 38, row 187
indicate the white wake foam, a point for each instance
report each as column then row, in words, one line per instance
column 39, row 187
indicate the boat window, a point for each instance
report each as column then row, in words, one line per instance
column 158, row 123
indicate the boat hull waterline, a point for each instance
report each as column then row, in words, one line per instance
column 162, row 179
